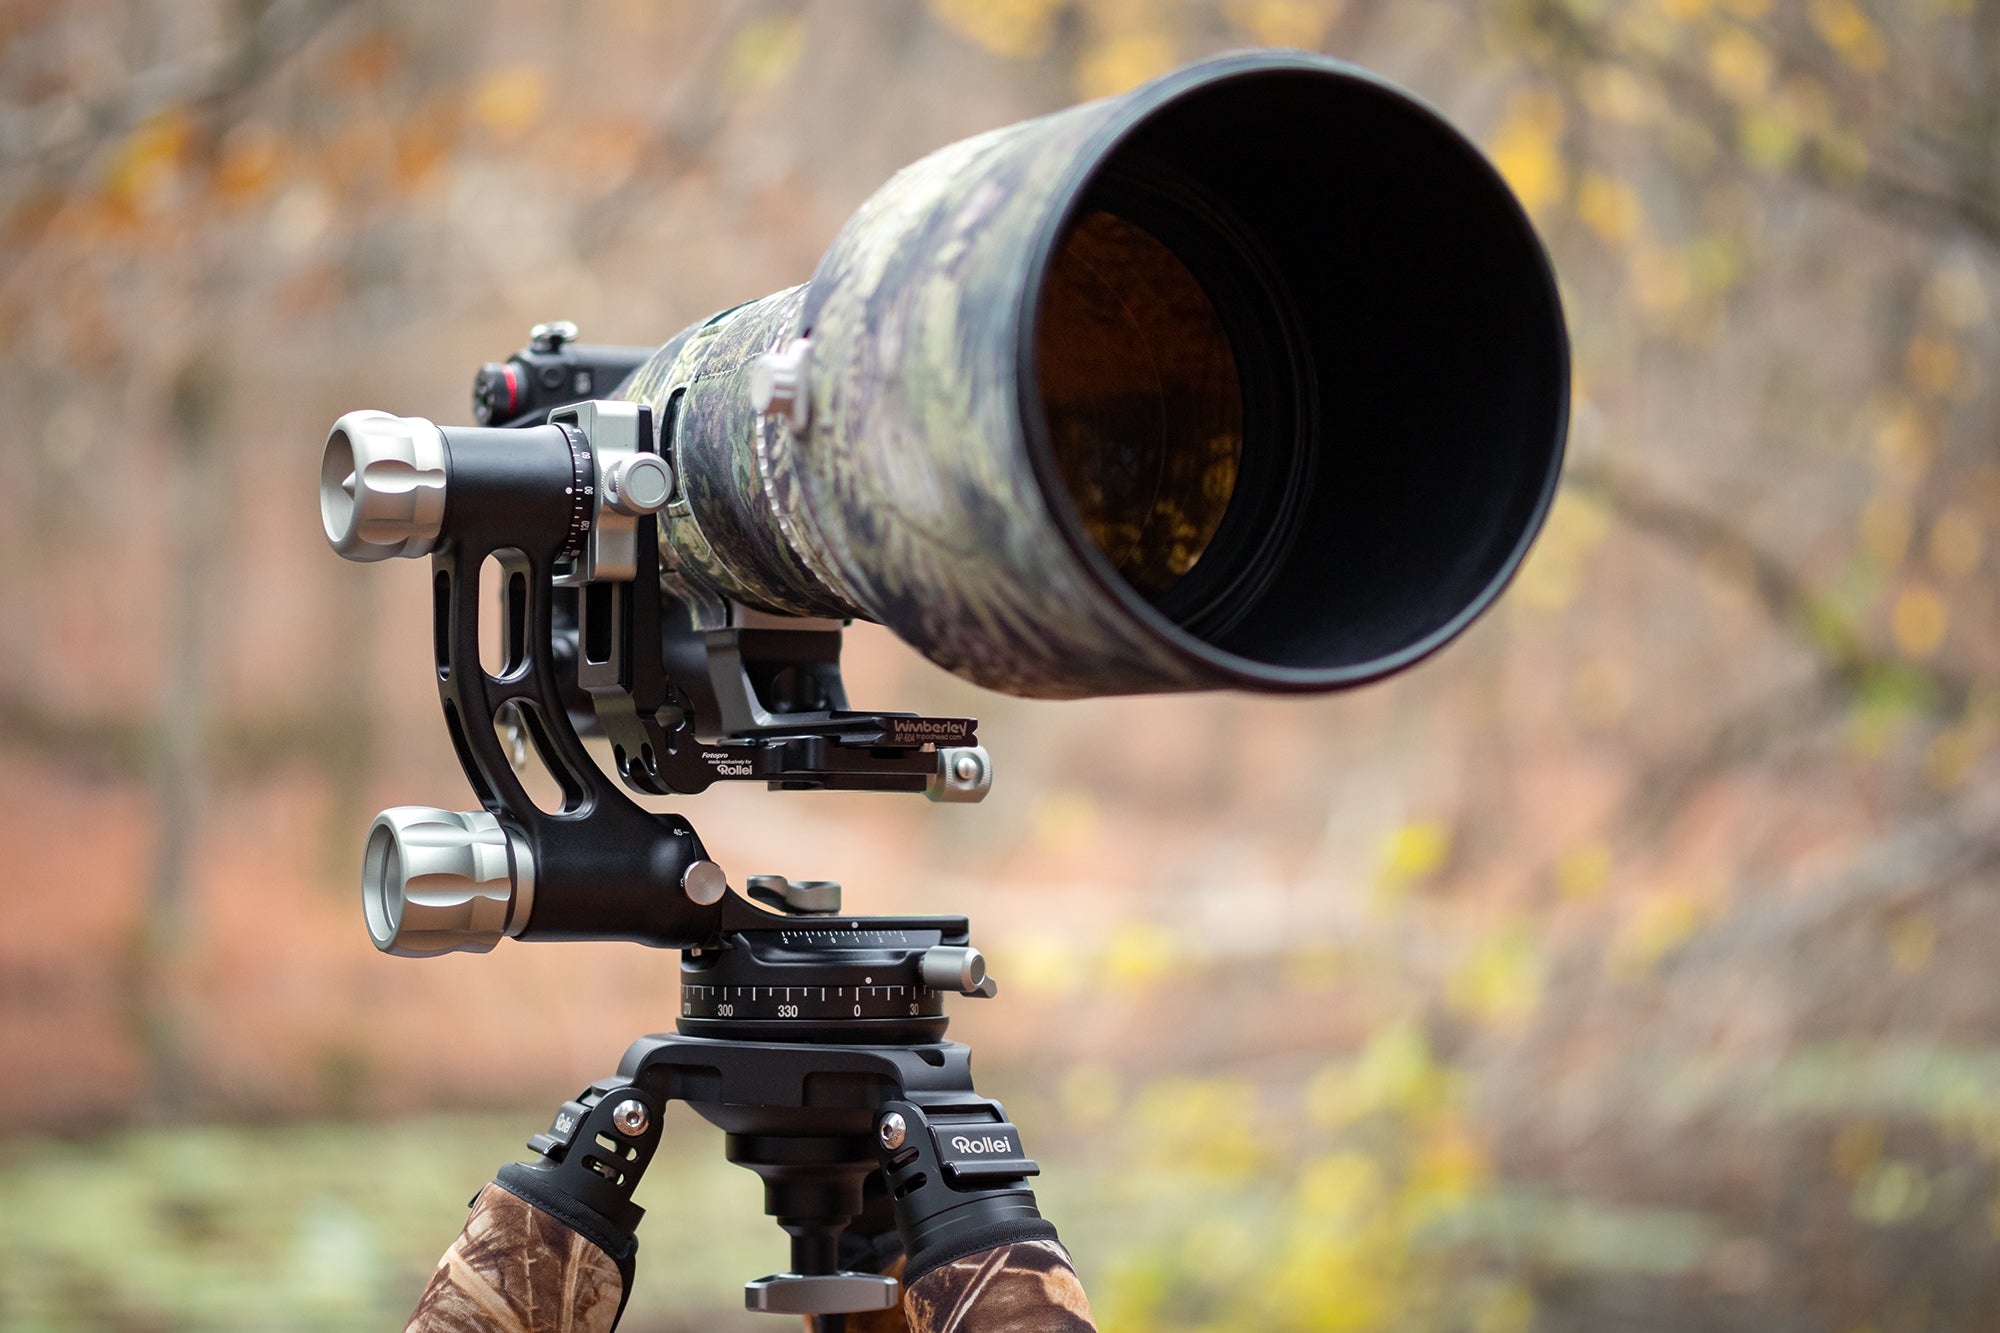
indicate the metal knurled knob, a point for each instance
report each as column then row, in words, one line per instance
column 434, row 881
column 953, row 967
column 381, row 486
column 638, row 485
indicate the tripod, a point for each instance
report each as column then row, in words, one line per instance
column 819, row 1052
column 814, row 1041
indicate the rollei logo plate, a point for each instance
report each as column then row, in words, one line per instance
column 985, row 1144
column 982, row 1152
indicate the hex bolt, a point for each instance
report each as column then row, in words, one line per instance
column 631, row 1117
column 893, row 1129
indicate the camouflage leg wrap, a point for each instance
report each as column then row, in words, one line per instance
column 516, row 1269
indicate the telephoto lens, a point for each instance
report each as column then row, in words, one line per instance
column 1254, row 377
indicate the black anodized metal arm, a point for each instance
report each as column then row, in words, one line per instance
column 603, row 867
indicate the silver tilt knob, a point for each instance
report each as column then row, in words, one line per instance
column 381, row 486
column 435, row 881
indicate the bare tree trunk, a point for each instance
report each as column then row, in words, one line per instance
column 181, row 775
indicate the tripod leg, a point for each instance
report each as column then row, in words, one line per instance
column 549, row 1245
column 981, row 1259
column 516, row 1269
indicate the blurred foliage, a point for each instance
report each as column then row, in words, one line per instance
column 1627, row 967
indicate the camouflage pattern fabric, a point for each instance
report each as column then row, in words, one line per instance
column 515, row 1269
column 1027, row 1287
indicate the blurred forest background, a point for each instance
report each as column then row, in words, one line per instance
column 1629, row 966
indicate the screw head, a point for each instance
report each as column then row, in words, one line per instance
column 551, row 337
column 894, row 1129
column 705, row 882
column 631, row 1117
column 964, row 773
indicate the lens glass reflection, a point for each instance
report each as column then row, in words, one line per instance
column 1144, row 407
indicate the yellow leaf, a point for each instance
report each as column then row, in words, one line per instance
column 1602, row 691
column 1617, row 92
column 1844, row 26
column 1449, row 1163
column 1339, row 1187
column 1739, row 65
column 1501, row 983
column 1956, row 543
column 1123, row 63
column 510, row 99
column 1660, row 281
column 1526, row 147
column 1140, row 954
column 1714, row 263
column 1017, row 28
column 1843, row 156
column 1918, row 621
column 1509, row 1309
column 764, row 53
column 1885, row 529
column 1663, row 923
column 1608, row 207
column 1090, row 1094
column 1064, row 820
column 1550, row 578
column 1041, row 964
column 1767, row 135
column 1415, row 850
column 1892, row 1193
column 1584, row 870
column 1912, row 940
column 1301, row 23
column 1950, row 757
column 1905, row 438
column 1933, row 364
column 143, row 166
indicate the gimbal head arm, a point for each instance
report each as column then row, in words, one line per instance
column 567, row 511
column 599, row 866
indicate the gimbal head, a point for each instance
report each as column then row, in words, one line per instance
column 590, row 635
column 796, row 1024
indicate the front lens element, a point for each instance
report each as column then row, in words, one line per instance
column 1144, row 406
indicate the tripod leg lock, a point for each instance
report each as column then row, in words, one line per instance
column 592, row 1156
column 958, row 1179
